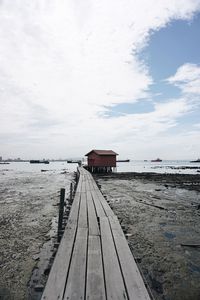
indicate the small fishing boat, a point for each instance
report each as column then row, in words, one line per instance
column 195, row 161
column 156, row 160
column 73, row 161
column 123, row 160
column 35, row 161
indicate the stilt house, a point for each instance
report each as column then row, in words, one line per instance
column 101, row 160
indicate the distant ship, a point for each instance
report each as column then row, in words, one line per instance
column 73, row 161
column 195, row 161
column 35, row 161
column 156, row 160
column 123, row 160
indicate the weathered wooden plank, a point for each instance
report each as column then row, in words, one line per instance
column 107, row 209
column 73, row 217
column 92, row 217
column 99, row 208
column 90, row 176
column 78, row 189
column 81, row 170
column 83, row 188
column 56, row 282
column 94, row 185
column 133, row 281
column 75, row 287
column 90, row 184
column 115, row 288
column 87, row 184
column 83, row 220
column 95, row 287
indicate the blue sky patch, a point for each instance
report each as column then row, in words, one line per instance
column 172, row 46
column 142, row 106
column 162, row 90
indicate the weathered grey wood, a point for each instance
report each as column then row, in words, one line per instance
column 191, row 245
column 115, row 288
column 81, row 170
column 92, row 217
column 90, row 176
column 56, row 282
column 78, row 189
column 90, row 184
column 83, row 187
column 99, row 208
column 75, row 287
column 61, row 210
column 94, row 185
column 133, row 281
column 95, row 287
column 73, row 217
column 93, row 263
column 82, row 220
column 87, row 184
column 106, row 207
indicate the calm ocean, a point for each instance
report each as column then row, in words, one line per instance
column 166, row 166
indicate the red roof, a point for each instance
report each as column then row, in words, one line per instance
column 102, row 152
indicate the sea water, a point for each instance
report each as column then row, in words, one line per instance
column 166, row 166
column 56, row 166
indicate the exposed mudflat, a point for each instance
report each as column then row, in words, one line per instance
column 161, row 217
column 28, row 202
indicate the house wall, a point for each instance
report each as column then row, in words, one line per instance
column 95, row 160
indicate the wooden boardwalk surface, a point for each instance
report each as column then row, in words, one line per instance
column 93, row 261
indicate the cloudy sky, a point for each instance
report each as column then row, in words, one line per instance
column 122, row 75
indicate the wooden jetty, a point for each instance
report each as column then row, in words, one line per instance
column 93, row 260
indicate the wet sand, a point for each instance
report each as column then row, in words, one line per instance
column 28, row 204
column 160, row 214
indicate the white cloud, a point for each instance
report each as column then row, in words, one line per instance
column 62, row 61
column 187, row 78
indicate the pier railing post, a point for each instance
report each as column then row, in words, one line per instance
column 71, row 192
column 61, row 210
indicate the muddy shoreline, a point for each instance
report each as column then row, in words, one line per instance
column 187, row 181
column 28, row 221
column 160, row 214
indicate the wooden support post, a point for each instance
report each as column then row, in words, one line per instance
column 61, row 209
column 71, row 192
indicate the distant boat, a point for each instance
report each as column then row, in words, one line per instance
column 123, row 160
column 73, row 161
column 156, row 160
column 35, row 161
column 195, row 161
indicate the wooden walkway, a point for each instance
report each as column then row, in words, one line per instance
column 93, row 260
